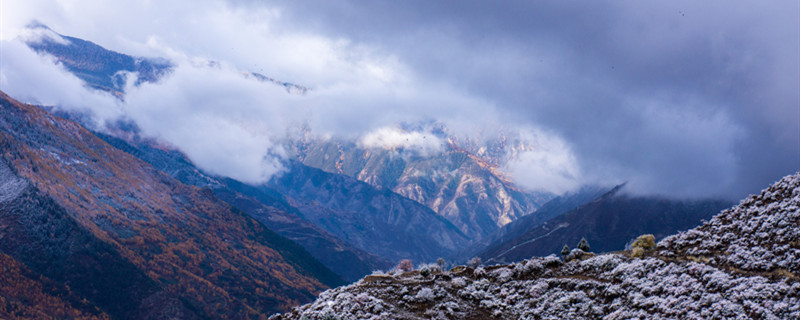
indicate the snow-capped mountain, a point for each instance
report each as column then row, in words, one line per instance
column 743, row 263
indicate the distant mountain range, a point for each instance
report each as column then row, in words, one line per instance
column 470, row 193
column 456, row 183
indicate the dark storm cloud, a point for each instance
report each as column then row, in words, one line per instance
column 682, row 98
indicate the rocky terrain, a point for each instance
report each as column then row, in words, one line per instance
column 466, row 189
column 743, row 263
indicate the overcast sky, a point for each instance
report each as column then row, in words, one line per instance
column 681, row 98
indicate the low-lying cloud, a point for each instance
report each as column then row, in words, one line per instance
column 546, row 163
column 680, row 98
column 422, row 143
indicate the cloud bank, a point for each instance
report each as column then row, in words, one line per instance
column 682, row 98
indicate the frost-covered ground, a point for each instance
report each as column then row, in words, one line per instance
column 743, row 264
column 762, row 233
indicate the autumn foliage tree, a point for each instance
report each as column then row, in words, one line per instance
column 405, row 265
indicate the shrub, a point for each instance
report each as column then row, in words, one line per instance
column 425, row 271
column 330, row 316
column 474, row 262
column 458, row 282
column 405, row 265
column 645, row 241
column 441, row 263
column 637, row 252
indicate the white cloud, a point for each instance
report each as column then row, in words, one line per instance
column 424, row 143
column 545, row 164
column 36, row 79
column 679, row 98
column 224, row 121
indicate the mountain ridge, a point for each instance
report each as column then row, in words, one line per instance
column 608, row 222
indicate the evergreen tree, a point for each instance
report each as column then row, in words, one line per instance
column 584, row 245
column 565, row 251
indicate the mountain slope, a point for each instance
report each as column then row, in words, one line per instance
column 608, row 222
column 262, row 203
column 216, row 260
column 761, row 234
column 39, row 233
column 752, row 277
column 98, row 67
column 24, row 294
column 459, row 186
column 377, row 221
column 549, row 210
column 102, row 69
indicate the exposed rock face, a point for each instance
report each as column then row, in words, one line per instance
column 727, row 268
column 465, row 189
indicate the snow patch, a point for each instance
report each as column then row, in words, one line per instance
column 11, row 186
